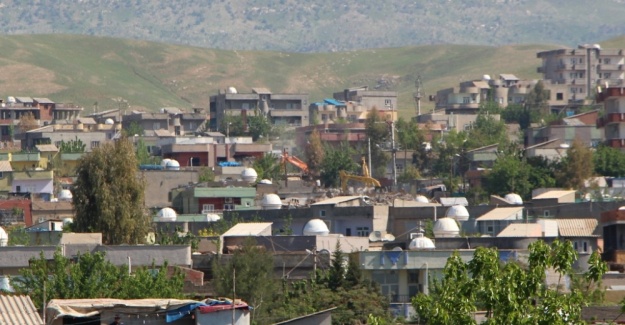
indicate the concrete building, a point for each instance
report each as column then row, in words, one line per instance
column 170, row 119
column 89, row 132
column 364, row 99
column 210, row 151
column 580, row 126
column 282, row 109
column 613, row 121
column 583, row 69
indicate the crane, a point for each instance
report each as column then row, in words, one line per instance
column 365, row 178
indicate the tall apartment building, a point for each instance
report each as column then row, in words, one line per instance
column 285, row 109
column 583, row 69
column 613, row 120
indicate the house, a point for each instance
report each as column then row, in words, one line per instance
column 18, row 309
column 363, row 100
column 212, row 198
column 493, row 222
column 582, row 127
column 207, row 151
column 283, row 109
column 89, row 132
column 351, row 215
column 170, row 119
column 323, row 317
column 552, row 150
column 548, row 202
column 6, row 170
column 39, row 182
column 159, row 183
column 51, row 210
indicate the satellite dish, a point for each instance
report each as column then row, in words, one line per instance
column 324, row 251
column 397, row 249
column 376, row 236
column 388, row 237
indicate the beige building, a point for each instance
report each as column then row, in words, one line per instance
column 583, row 69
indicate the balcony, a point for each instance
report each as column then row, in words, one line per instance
column 25, row 156
column 33, row 175
column 71, row 156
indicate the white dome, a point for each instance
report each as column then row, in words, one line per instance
column 4, row 237
column 271, row 202
column 109, row 121
column 458, row 212
column 165, row 161
column 166, row 215
column 446, row 227
column 265, row 181
column 211, row 217
column 65, row 195
column 316, row 227
column 514, row 198
column 622, row 208
column 421, row 198
column 421, row 242
column 249, row 175
column 67, row 221
column 173, row 165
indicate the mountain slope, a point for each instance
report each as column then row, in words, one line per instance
column 148, row 75
column 321, row 25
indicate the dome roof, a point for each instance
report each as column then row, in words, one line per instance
column 165, row 161
column 249, row 175
column 421, row 242
column 211, row 217
column 421, row 198
column 166, row 214
column 316, row 227
column 109, row 121
column 458, row 212
column 446, row 227
column 65, row 195
column 271, row 201
column 4, row 237
column 514, row 198
column 173, row 165
column 265, row 181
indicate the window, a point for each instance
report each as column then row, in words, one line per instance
column 575, row 246
column 322, row 213
column 572, row 75
column 228, row 207
column 245, row 106
column 206, row 208
column 192, row 126
column 1, row 174
column 559, row 96
column 95, row 144
column 490, row 229
column 388, row 103
column 362, row 231
column 584, row 247
column 606, row 61
column 607, row 75
column 573, row 60
column 228, row 200
column 400, row 168
column 573, row 90
column 156, row 125
column 546, row 213
column 348, row 231
column 466, row 100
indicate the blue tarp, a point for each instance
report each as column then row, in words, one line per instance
column 229, row 164
column 333, row 101
column 176, row 314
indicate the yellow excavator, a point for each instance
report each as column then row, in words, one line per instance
column 366, row 178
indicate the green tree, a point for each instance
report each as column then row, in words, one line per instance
column 576, row 167
column 142, row 154
column 609, row 161
column 232, row 125
column 510, row 174
column 133, row 129
column 17, row 235
column 72, row 146
column 206, row 174
column 248, row 275
column 93, row 276
column 509, row 292
column 108, row 195
column 378, row 132
column 268, row 167
column 314, row 152
column 335, row 160
column 258, row 126
column 486, row 131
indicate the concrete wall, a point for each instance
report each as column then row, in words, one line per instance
column 242, row 317
column 160, row 182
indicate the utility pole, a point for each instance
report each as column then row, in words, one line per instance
column 369, row 161
column 234, row 293
column 394, row 152
column 417, row 95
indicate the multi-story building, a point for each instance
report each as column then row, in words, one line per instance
column 169, row 119
column 581, row 126
column 86, row 130
column 583, row 69
column 283, row 109
column 613, row 120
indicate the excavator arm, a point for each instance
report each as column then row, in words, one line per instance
column 295, row 162
column 368, row 181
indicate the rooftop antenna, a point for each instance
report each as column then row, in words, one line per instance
column 417, row 94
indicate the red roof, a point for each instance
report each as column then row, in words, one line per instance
column 220, row 307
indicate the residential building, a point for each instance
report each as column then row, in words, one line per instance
column 365, row 100
column 35, row 182
column 89, row 132
column 283, row 109
column 170, row 119
column 204, row 199
column 55, row 210
column 583, row 69
column 613, row 121
column 209, row 151
column 582, row 127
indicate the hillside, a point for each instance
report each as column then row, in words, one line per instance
column 321, row 25
column 87, row 70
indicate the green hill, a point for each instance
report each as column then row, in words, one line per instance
column 148, row 75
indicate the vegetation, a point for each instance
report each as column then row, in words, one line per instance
column 335, row 160
column 92, row 276
column 510, row 293
column 314, row 152
column 72, row 146
column 108, row 196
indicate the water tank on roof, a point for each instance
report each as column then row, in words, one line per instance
column 514, row 198
column 420, row 242
column 422, row 199
column 486, row 77
column 164, row 162
column 316, row 227
column 11, row 99
column 265, row 181
column 4, row 237
column 109, row 121
column 166, row 215
column 458, row 212
column 232, row 90
column 249, row 175
column 271, row 202
column 65, row 195
column 446, row 227
column 173, row 165
column 211, row 217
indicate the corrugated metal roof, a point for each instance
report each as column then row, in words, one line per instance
column 577, row 227
column 43, row 100
column 5, row 166
column 502, row 214
column 261, row 90
column 522, row 230
column 449, row 201
column 552, row 195
column 47, row 148
column 336, row 200
column 507, row 76
column 250, row 229
column 18, row 310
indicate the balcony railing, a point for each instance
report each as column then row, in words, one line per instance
column 27, row 156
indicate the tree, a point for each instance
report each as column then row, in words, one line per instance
column 268, row 167
column 536, row 100
column 250, row 270
column 258, row 126
column 108, row 195
column 510, row 174
column 486, row 131
column 378, row 132
column 314, row 152
column 72, row 146
column 576, row 167
column 609, row 161
column 232, row 126
column 133, row 129
column 206, row 174
column 509, row 293
column 335, row 160
column 142, row 154
column 27, row 122
column 93, row 276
